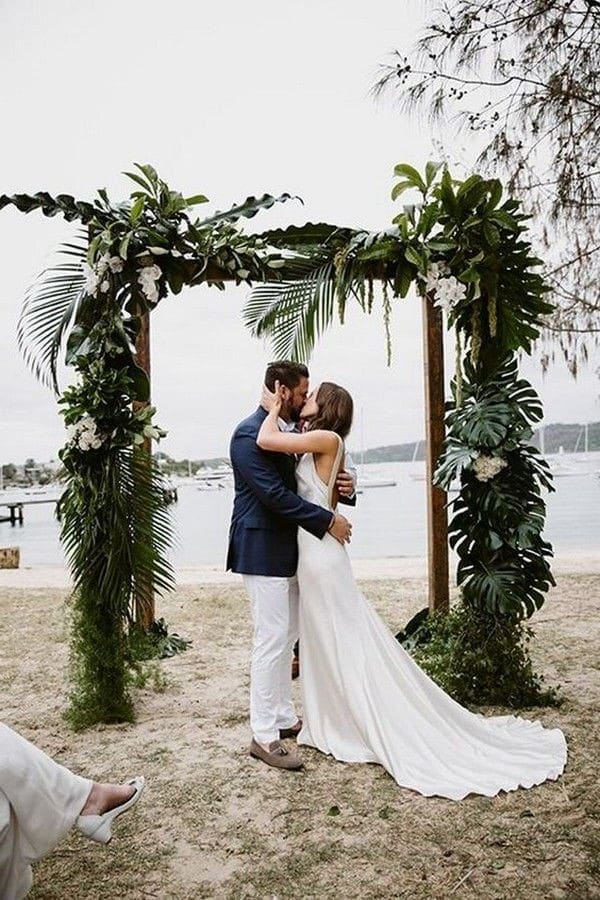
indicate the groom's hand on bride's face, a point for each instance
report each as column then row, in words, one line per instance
column 340, row 529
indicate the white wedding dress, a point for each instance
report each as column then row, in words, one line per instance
column 366, row 700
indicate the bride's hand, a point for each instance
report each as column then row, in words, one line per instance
column 271, row 400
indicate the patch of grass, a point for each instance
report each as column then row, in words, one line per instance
column 151, row 674
column 235, row 718
column 82, row 870
column 159, row 754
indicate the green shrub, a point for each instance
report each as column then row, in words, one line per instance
column 477, row 657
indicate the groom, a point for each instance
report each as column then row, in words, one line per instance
column 263, row 548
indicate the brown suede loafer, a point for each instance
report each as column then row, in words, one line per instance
column 276, row 756
column 292, row 732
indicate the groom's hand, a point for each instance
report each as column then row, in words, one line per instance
column 269, row 399
column 340, row 528
column 345, row 483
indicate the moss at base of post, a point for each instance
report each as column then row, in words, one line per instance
column 100, row 671
column 481, row 659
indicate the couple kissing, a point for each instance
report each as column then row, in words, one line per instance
column 364, row 699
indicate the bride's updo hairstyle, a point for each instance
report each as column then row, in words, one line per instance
column 335, row 409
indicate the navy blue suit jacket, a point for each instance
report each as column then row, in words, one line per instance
column 266, row 508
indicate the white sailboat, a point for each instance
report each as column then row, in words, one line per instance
column 367, row 482
column 420, row 476
column 558, row 468
column 417, row 476
column 585, row 456
column 214, row 479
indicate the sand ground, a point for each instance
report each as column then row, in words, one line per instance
column 215, row 823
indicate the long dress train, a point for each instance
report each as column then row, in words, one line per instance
column 366, row 700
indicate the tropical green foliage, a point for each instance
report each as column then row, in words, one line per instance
column 460, row 246
column 155, row 231
column 114, row 522
column 115, row 525
column 461, row 225
column 497, row 524
column 158, row 642
column 298, row 308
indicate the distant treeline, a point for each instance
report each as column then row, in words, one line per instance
column 185, row 467
column 570, row 437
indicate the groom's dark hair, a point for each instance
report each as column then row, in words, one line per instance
column 285, row 372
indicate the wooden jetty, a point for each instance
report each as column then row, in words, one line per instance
column 15, row 509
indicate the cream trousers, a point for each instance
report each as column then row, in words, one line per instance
column 39, row 802
column 274, row 604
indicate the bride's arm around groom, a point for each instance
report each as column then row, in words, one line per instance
column 266, row 500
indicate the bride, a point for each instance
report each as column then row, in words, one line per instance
column 364, row 698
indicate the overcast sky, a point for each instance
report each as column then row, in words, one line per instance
column 227, row 99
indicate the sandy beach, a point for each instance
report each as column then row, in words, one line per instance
column 366, row 569
column 215, row 823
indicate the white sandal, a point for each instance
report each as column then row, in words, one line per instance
column 98, row 828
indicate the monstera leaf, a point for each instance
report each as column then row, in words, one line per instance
column 456, row 456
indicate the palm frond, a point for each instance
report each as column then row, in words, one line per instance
column 117, row 535
column 116, row 532
column 142, row 483
column 294, row 314
column 49, row 307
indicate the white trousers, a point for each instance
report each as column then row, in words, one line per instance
column 39, row 802
column 274, row 605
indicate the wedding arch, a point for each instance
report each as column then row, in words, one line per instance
column 470, row 260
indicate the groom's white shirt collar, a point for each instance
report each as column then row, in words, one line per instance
column 286, row 426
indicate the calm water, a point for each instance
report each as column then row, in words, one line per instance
column 389, row 521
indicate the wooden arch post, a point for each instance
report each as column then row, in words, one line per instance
column 144, row 598
column 144, row 593
column 437, row 512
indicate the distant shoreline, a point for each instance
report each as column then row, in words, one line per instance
column 552, row 439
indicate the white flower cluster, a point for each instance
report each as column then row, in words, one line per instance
column 448, row 289
column 486, row 467
column 95, row 277
column 148, row 278
column 114, row 263
column 154, row 432
column 435, row 271
column 92, row 279
column 85, row 434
